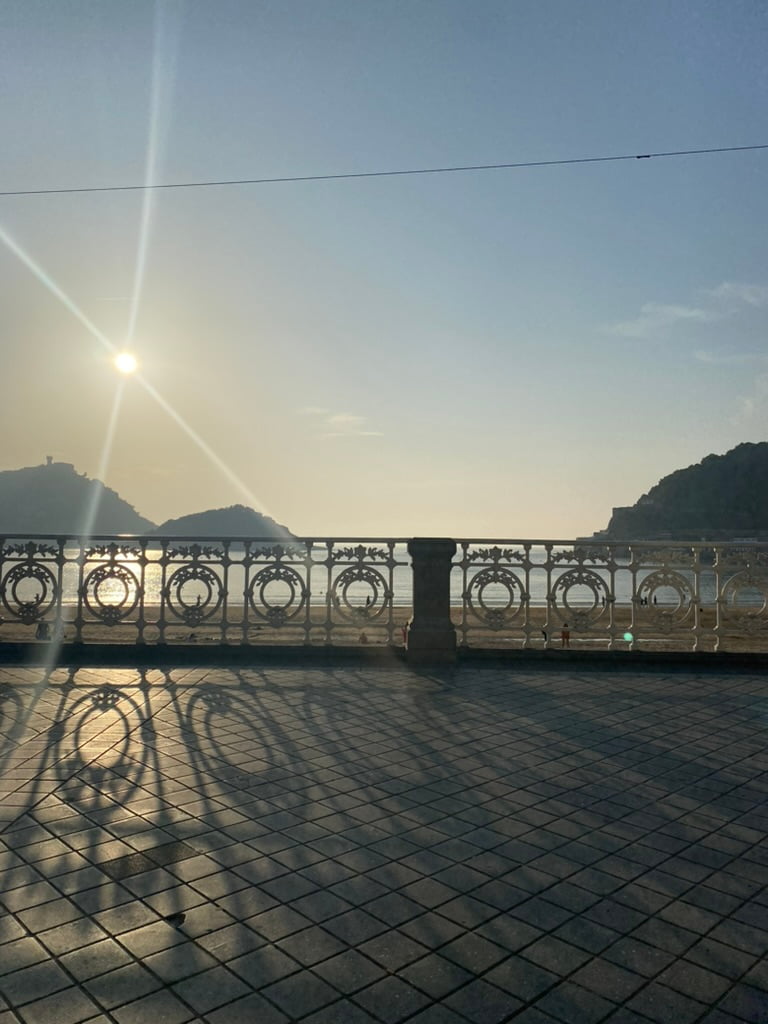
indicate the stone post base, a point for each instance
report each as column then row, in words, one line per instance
column 431, row 635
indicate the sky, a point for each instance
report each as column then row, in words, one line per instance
column 492, row 354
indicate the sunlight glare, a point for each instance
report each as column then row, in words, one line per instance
column 164, row 54
column 90, row 512
column 206, row 449
column 126, row 362
column 47, row 281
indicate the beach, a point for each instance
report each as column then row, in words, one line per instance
column 319, row 626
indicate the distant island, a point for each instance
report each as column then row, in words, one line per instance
column 234, row 521
column 721, row 498
column 55, row 499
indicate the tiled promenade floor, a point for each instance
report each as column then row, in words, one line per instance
column 373, row 845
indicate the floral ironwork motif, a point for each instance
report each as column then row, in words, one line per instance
column 495, row 554
column 193, row 607
column 112, row 551
column 752, row 558
column 110, row 593
column 673, row 556
column 277, row 551
column 378, row 596
column 26, row 606
column 30, row 549
column 663, row 615
column 582, row 554
column 196, row 551
column 750, row 617
column 495, row 614
column 580, row 617
column 360, row 553
column 265, row 607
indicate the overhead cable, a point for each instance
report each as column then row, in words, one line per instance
column 226, row 182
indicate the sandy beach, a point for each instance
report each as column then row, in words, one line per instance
column 389, row 629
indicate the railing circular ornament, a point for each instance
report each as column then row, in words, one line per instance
column 496, row 616
column 182, row 592
column 584, row 616
column 749, row 619
column 259, row 600
column 377, row 599
column 664, row 617
column 110, row 592
column 27, row 607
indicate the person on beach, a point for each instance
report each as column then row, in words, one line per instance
column 565, row 636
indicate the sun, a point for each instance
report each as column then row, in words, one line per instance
column 126, row 362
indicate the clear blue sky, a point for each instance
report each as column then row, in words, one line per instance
column 506, row 353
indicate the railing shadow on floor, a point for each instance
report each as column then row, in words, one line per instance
column 175, row 806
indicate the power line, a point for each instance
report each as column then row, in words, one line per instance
column 382, row 174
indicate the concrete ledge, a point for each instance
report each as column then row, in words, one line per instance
column 145, row 655
column 225, row 655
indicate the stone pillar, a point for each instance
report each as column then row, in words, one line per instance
column 431, row 634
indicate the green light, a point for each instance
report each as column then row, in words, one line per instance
column 628, row 637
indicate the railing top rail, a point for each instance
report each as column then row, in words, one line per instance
column 562, row 542
column 589, row 543
column 205, row 538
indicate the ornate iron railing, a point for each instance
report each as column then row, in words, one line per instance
column 171, row 590
column 506, row 594
column 660, row 595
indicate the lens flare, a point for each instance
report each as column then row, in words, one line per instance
column 628, row 637
column 129, row 368
column 126, row 362
column 164, row 60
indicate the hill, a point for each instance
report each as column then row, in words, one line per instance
column 234, row 521
column 719, row 498
column 54, row 499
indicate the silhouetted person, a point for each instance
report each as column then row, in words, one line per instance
column 43, row 631
column 565, row 636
